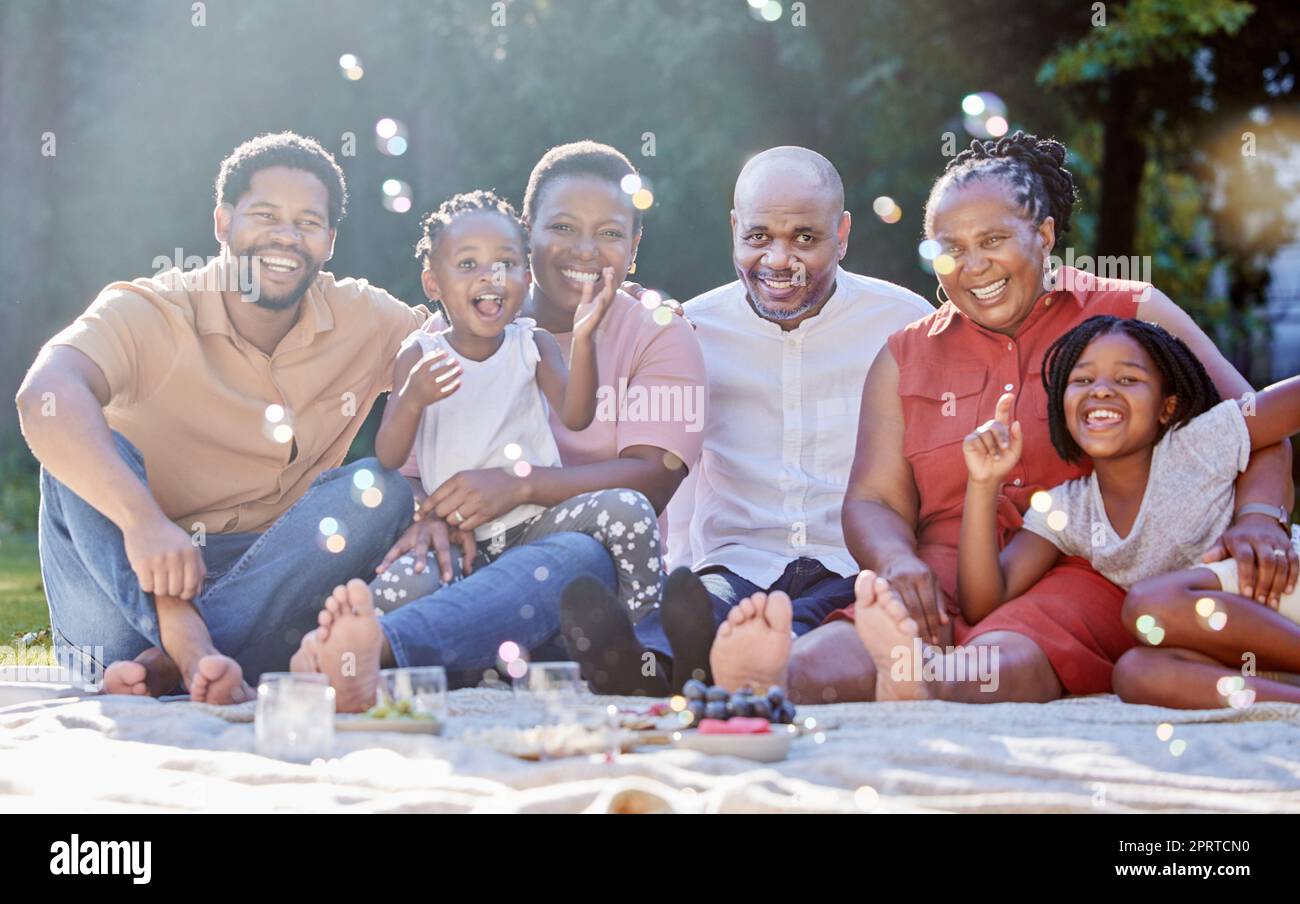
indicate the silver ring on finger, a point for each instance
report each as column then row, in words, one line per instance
column 460, row 519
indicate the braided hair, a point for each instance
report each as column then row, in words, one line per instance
column 1181, row 374
column 1033, row 167
column 433, row 224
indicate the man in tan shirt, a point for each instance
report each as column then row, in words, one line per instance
column 190, row 428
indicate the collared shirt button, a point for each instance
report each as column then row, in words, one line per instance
column 1016, row 481
column 1011, row 346
column 1008, row 387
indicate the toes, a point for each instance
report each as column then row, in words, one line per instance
column 360, row 599
column 909, row 626
column 724, row 629
column 751, row 605
column 736, row 616
column 779, row 612
column 894, row 607
column 864, row 588
column 213, row 668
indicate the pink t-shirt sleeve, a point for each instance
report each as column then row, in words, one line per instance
column 668, row 376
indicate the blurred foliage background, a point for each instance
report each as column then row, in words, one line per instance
column 142, row 99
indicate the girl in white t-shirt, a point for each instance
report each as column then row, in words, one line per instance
column 475, row 395
column 1166, row 453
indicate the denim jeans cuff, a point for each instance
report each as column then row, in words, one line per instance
column 395, row 644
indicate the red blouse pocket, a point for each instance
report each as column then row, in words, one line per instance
column 940, row 404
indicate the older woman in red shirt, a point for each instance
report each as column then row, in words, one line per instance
column 997, row 213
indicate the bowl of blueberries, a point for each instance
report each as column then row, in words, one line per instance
column 743, row 724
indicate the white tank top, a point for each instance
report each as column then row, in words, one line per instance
column 499, row 404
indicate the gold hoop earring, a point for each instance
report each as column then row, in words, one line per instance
column 631, row 267
column 940, row 294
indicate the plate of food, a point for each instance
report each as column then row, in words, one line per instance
column 741, row 724
column 749, row 739
column 398, row 716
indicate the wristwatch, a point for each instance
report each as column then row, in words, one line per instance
column 1262, row 508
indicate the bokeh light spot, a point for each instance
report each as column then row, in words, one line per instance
column 329, row 526
column 371, row 497
column 1041, row 501
column 643, row 199
column 972, row 105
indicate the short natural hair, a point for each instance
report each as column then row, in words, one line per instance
column 433, row 224
column 579, row 158
column 282, row 149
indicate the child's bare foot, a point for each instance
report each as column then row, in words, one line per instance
column 219, row 680
column 349, row 646
column 307, row 659
column 152, row 673
column 891, row 636
column 753, row 645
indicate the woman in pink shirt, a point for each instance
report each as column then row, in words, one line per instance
column 645, row 437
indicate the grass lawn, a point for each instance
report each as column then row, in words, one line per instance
column 22, row 596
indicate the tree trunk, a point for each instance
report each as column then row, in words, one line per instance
column 1124, row 156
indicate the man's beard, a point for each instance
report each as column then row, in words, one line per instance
column 811, row 300
column 257, row 293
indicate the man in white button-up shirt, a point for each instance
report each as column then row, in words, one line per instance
column 786, row 347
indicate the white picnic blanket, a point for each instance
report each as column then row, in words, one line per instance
column 96, row 754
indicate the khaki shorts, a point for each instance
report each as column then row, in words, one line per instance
column 1227, row 573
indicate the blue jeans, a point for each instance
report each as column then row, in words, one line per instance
column 262, row 592
column 516, row 598
column 814, row 590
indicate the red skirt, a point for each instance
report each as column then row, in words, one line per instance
column 1072, row 614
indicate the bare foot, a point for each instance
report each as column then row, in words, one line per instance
column 752, row 646
column 219, row 680
column 307, row 659
column 152, row 673
column 349, row 645
column 891, row 636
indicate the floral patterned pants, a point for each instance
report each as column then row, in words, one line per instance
column 622, row 520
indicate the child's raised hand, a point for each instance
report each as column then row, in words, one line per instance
column 995, row 446
column 434, row 377
column 591, row 311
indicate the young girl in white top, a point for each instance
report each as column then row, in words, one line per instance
column 475, row 395
column 1166, row 453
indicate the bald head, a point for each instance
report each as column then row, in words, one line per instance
column 789, row 232
column 789, row 173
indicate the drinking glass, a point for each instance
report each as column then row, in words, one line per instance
column 295, row 716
